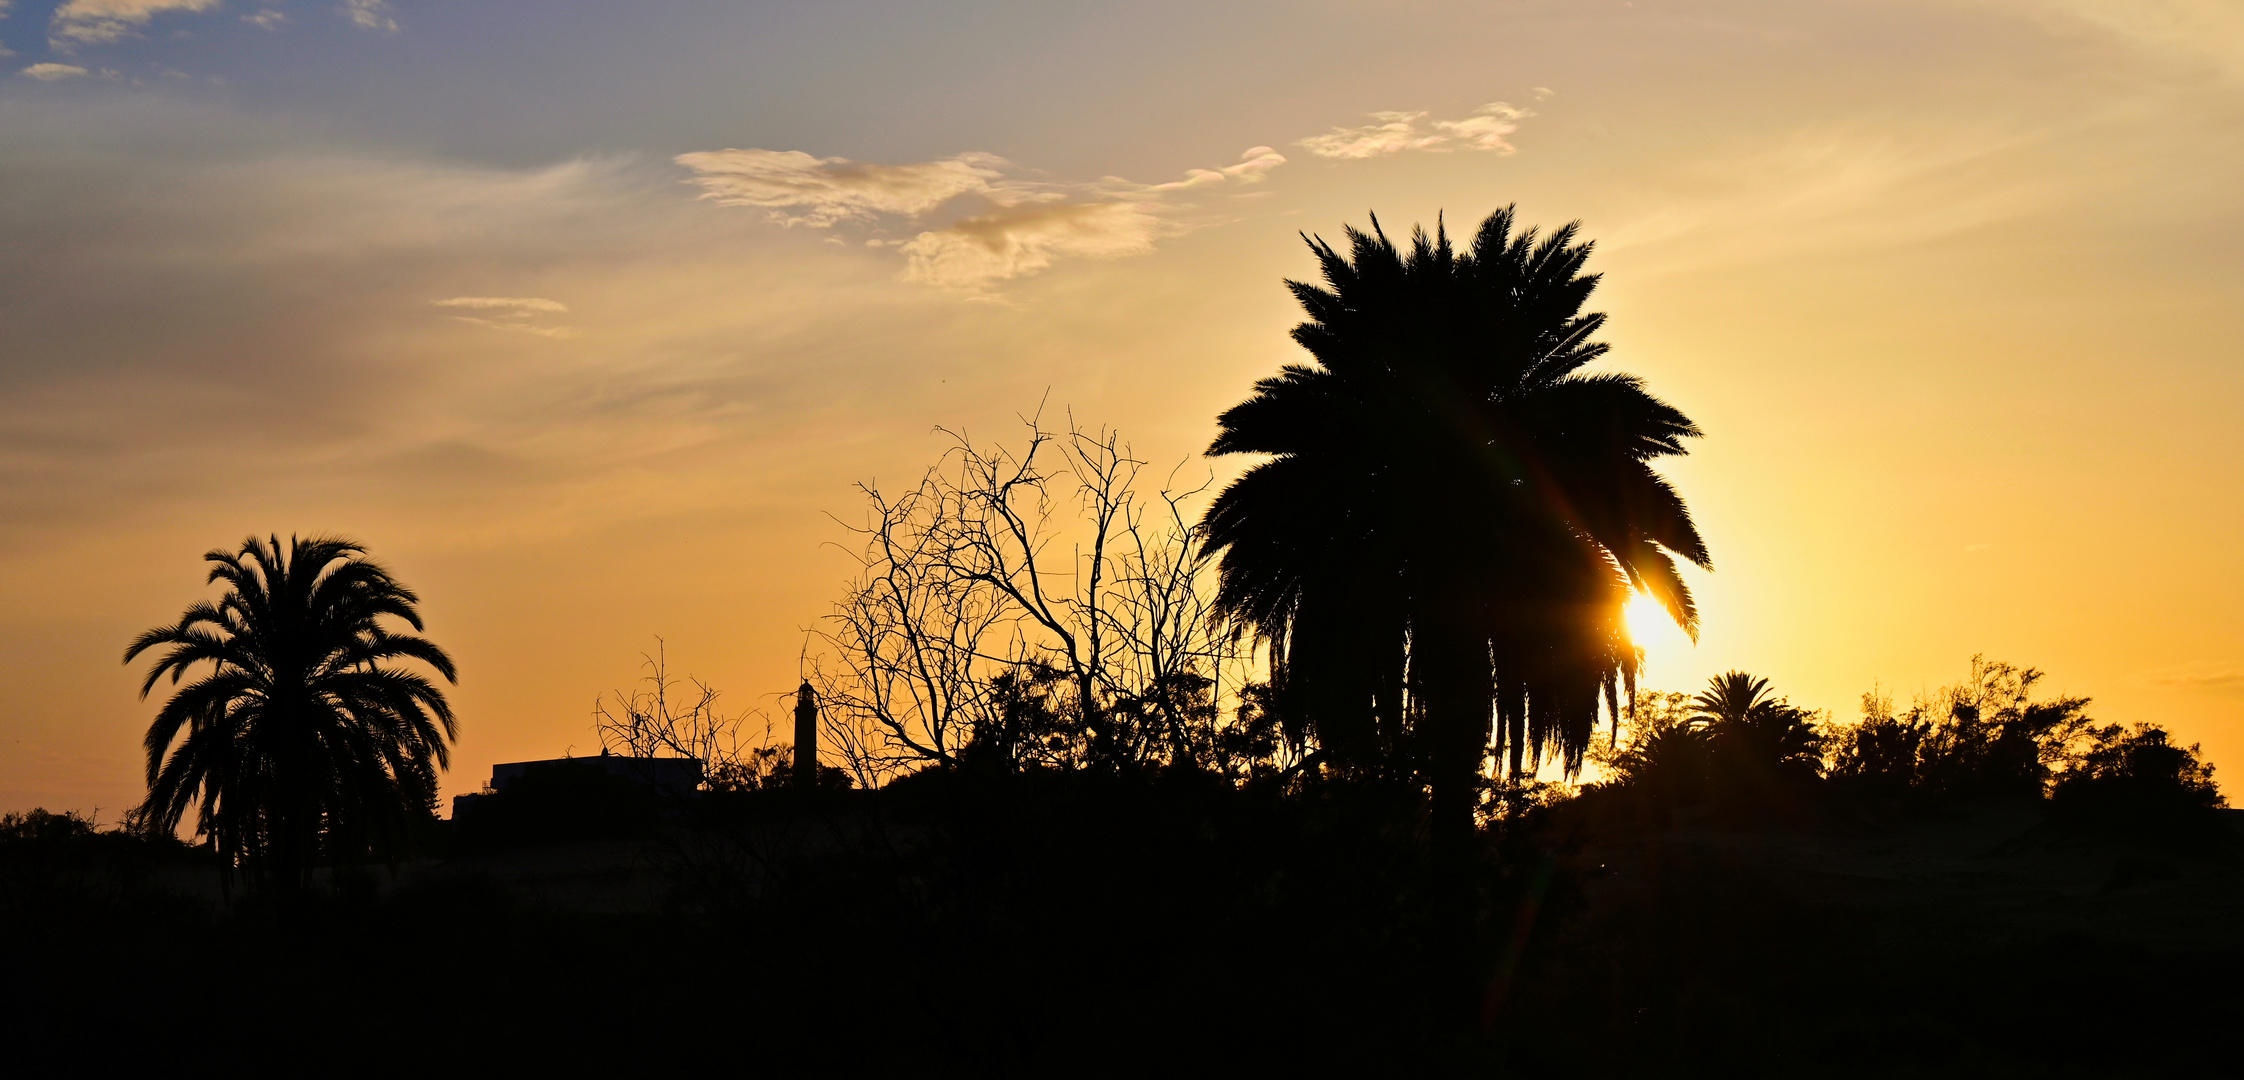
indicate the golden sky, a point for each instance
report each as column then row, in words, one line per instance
column 585, row 316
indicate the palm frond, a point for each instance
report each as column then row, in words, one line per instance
column 303, row 729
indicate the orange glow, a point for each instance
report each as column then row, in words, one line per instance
column 572, row 374
column 1666, row 647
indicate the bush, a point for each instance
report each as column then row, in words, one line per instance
column 1667, row 760
column 2136, row 777
column 1985, row 736
column 1735, row 745
column 41, row 826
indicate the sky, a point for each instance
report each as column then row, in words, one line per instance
column 587, row 318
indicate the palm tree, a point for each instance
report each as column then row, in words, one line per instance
column 1759, row 740
column 302, row 737
column 1453, row 514
column 1732, row 698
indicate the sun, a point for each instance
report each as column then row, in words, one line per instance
column 1653, row 630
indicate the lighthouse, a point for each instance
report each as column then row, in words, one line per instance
column 806, row 736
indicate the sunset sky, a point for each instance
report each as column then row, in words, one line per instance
column 584, row 316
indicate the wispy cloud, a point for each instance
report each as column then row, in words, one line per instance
column 803, row 190
column 2196, row 31
column 1486, row 128
column 1398, row 132
column 2219, row 681
column 1394, row 133
column 369, row 15
column 515, row 303
column 1110, row 219
column 512, row 313
column 522, row 327
column 1023, row 240
column 1025, row 223
column 1834, row 188
column 267, row 19
column 1254, row 167
column 51, row 72
column 94, row 22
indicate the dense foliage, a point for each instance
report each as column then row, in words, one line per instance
column 1738, row 749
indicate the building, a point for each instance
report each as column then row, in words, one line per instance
column 671, row 776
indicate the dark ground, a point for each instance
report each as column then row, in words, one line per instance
column 1093, row 927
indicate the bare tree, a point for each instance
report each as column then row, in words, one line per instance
column 1029, row 607
column 666, row 717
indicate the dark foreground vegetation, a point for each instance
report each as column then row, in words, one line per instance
column 981, row 922
column 1104, row 785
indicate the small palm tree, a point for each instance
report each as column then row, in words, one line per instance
column 301, row 738
column 1759, row 740
column 1732, row 698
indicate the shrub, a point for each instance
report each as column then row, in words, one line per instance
column 2135, row 777
column 1984, row 736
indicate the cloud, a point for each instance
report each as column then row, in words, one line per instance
column 1836, row 187
column 1022, row 240
column 94, row 22
column 332, row 282
column 1397, row 132
column 522, row 327
column 369, row 15
column 267, row 19
column 517, row 303
column 2209, row 32
column 2224, row 681
column 1486, row 129
column 511, row 313
column 1253, row 168
column 51, row 72
column 803, row 190
column 1027, row 224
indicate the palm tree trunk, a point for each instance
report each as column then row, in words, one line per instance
column 1451, row 664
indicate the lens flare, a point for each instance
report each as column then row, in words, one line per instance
column 1654, row 630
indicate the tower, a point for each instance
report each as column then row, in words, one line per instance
column 806, row 736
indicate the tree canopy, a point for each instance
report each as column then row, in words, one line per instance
column 304, row 738
column 1452, row 512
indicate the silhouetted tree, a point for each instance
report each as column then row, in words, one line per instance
column 303, row 736
column 1760, row 743
column 2135, row 777
column 1667, row 761
column 1984, row 736
column 1453, row 513
column 42, row 826
column 1878, row 756
column 666, row 717
column 1030, row 608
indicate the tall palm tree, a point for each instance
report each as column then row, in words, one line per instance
column 303, row 736
column 1453, row 513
